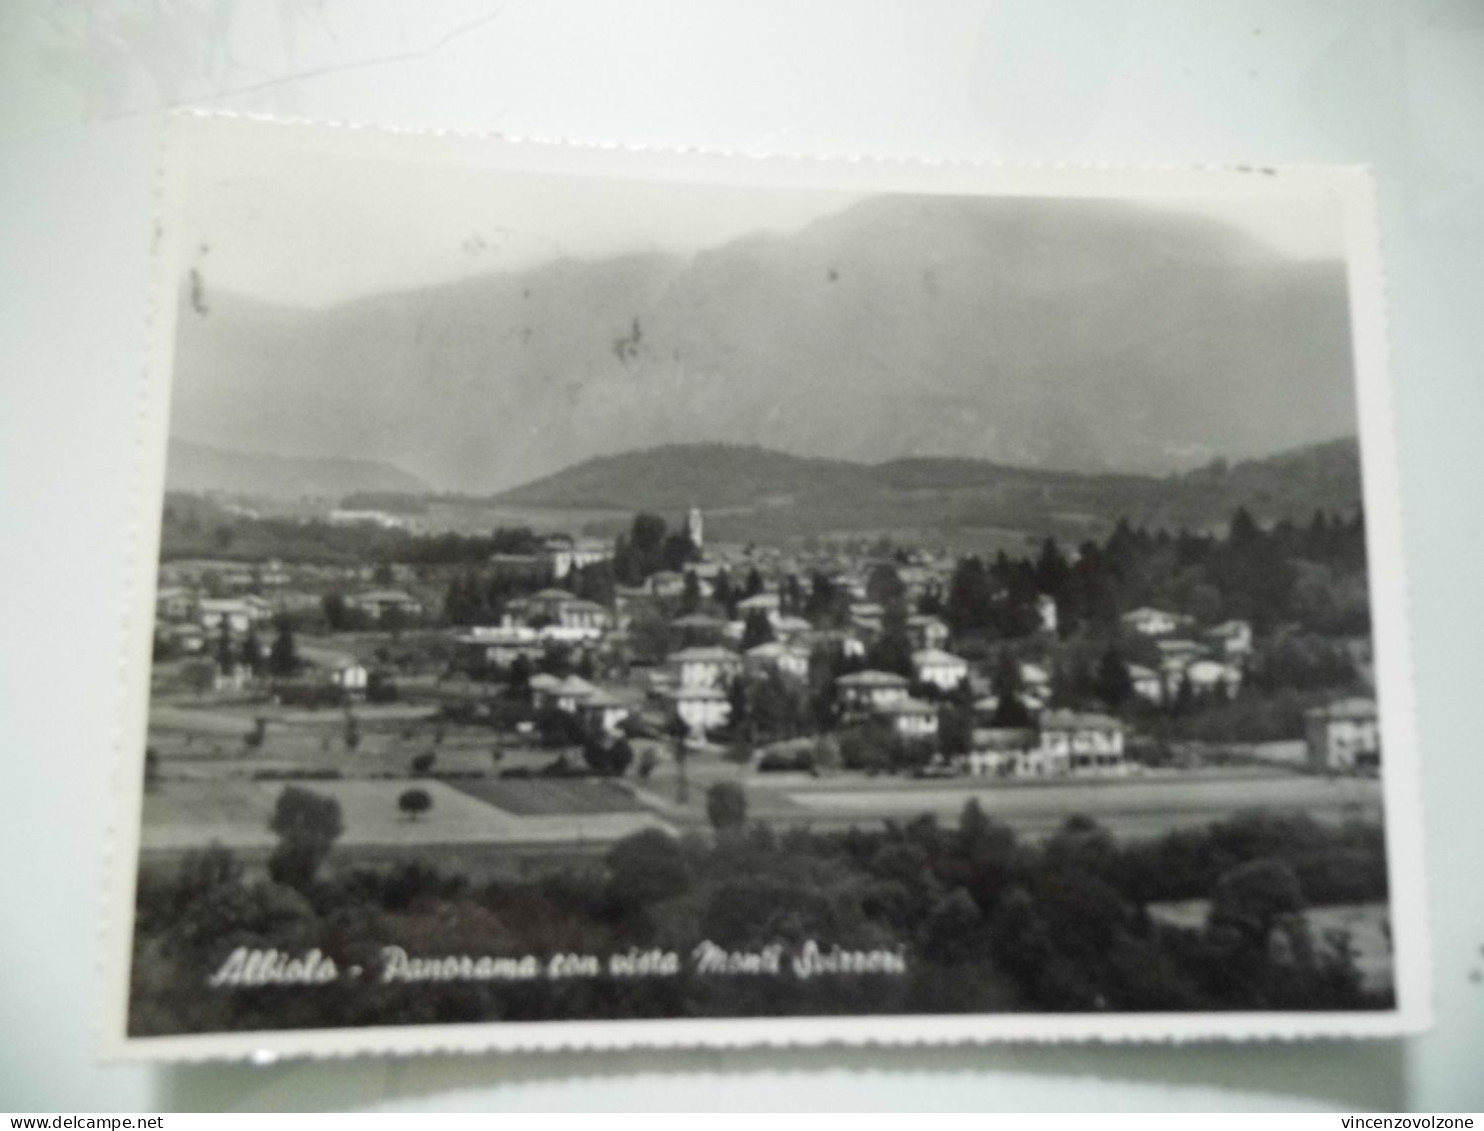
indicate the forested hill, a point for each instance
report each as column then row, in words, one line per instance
column 756, row 492
column 200, row 468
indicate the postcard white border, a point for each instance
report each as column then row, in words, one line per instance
column 1353, row 192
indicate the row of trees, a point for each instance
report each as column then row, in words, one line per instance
column 231, row 651
column 193, row 527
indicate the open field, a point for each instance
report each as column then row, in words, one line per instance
column 550, row 796
column 212, row 741
column 191, row 814
column 1135, row 807
column 1127, row 807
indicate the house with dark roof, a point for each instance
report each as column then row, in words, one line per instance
column 1081, row 742
column 1155, row 622
column 705, row 667
column 909, row 717
column 870, row 690
column 377, row 603
column 942, row 669
column 700, row 708
column 787, row 659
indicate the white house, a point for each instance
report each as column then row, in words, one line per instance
column 942, row 669
column 187, row 639
column 238, row 613
column 564, row 554
column 1175, row 656
column 542, row 684
column 989, row 763
column 870, row 690
column 1210, row 677
column 1154, row 622
column 866, row 615
column 1079, row 742
column 705, row 667
column 765, row 603
column 1035, row 686
column 347, row 516
column 786, row 658
column 1147, row 683
column 916, row 579
column 699, row 626
column 1343, row 735
column 350, row 676
column 377, row 603
column 603, row 712
column 233, row 677
column 996, row 751
column 573, row 617
column 173, row 602
column 585, row 616
column 498, row 645
column 789, row 628
column 1232, row 638
column 848, row 644
column 666, row 583
column 700, row 708
column 565, row 694
column 1046, row 610
column 911, row 718
column 927, row 631
column 986, row 705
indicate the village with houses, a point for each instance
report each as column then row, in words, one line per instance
column 836, row 683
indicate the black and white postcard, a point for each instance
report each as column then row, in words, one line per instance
column 594, row 598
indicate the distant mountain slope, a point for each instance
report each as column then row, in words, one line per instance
column 678, row 475
column 1092, row 335
column 751, row 492
column 199, row 467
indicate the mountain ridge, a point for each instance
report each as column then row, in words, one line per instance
column 1036, row 333
column 756, row 492
column 195, row 467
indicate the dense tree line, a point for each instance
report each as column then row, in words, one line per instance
column 984, row 920
column 1312, row 574
column 649, row 547
column 195, row 529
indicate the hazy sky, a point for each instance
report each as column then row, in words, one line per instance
column 298, row 225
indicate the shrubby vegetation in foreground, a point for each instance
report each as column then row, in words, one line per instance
column 985, row 922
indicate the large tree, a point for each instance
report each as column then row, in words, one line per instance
column 1251, row 900
column 757, row 630
column 1010, row 709
column 892, row 649
column 283, row 657
column 415, row 802
column 884, row 584
column 690, row 595
column 251, row 652
column 646, row 868
column 307, row 825
column 969, row 606
column 1114, row 684
column 726, row 807
column 723, row 594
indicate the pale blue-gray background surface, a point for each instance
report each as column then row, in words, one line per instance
column 83, row 91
